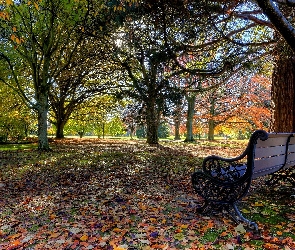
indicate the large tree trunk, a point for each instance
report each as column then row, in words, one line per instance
column 42, row 109
column 283, row 90
column 152, row 121
column 191, row 99
column 60, row 129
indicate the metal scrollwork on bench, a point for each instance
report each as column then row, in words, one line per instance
column 223, row 182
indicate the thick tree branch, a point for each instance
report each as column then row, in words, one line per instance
column 282, row 25
column 290, row 3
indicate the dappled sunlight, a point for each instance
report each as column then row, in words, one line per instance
column 115, row 193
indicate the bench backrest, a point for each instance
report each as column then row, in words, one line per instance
column 277, row 152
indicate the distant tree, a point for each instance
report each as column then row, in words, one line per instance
column 133, row 116
column 116, row 127
column 163, row 130
column 93, row 116
column 239, row 100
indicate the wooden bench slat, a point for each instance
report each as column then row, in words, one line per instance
column 266, row 171
column 291, row 148
column 275, row 135
column 289, row 164
column 267, row 163
column 276, row 141
column 269, row 151
column 291, row 157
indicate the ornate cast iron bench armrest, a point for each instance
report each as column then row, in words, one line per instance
column 225, row 169
column 214, row 190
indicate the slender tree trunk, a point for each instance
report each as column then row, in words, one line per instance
column 43, row 143
column 191, row 99
column 152, row 121
column 211, row 123
column 177, row 127
column 211, row 130
column 177, row 119
column 283, row 90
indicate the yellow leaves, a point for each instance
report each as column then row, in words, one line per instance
column 153, row 220
column 119, row 8
column 84, row 237
column 36, row 6
column 16, row 39
column 184, row 226
column 240, row 229
column 14, row 29
column 4, row 15
column 9, row 2
column 258, row 204
column 245, row 211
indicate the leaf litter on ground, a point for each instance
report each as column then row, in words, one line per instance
column 112, row 194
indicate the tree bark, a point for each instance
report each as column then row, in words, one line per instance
column 211, row 130
column 60, row 129
column 177, row 119
column 211, row 122
column 283, row 90
column 152, row 121
column 191, row 99
column 42, row 109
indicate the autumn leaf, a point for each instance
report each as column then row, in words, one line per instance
column 15, row 244
column 36, row 6
column 271, row 246
column 84, row 237
column 117, row 230
column 54, row 235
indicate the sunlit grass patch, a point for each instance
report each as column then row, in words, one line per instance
column 18, row 146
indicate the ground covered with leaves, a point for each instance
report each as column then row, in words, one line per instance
column 111, row 194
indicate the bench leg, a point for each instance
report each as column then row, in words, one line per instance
column 239, row 215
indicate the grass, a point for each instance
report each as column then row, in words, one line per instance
column 18, row 146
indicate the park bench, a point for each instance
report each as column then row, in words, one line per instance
column 225, row 181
